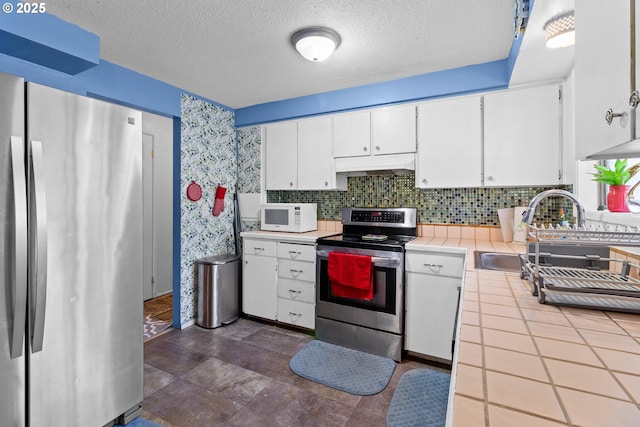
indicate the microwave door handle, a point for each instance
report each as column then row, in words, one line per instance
column 19, row 273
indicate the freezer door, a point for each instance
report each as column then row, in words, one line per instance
column 86, row 306
column 13, row 241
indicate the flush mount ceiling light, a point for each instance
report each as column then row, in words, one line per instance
column 560, row 31
column 315, row 43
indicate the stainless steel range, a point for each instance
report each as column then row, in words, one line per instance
column 373, row 325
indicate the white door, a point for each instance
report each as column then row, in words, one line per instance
column 315, row 158
column 157, row 170
column 282, row 156
column 393, row 130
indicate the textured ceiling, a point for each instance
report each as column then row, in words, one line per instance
column 237, row 52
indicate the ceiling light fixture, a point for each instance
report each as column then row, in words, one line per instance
column 315, row 43
column 560, row 31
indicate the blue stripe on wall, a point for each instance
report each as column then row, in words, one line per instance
column 463, row 80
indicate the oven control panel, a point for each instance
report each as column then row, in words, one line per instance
column 401, row 217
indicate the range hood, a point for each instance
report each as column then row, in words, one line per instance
column 626, row 150
column 385, row 164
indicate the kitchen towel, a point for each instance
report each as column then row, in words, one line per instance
column 506, row 224
column 350, row 275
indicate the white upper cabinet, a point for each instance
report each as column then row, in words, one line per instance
column 393, row 130
column 299, row 156
column 602, row 75
column 522, row 137
column 352, row 134
column 316, row 170
column 389, row 130
column 281, row 156
column 449, row 143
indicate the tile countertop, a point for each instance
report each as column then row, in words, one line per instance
column 308, row 237
column 521, row 363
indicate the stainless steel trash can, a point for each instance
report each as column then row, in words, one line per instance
column 218, row 279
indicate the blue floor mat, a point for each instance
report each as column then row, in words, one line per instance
column 343, row 368
column 420, row 399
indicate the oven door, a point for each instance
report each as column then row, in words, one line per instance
column 384, row 312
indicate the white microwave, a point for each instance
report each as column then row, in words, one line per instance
column 291, row 217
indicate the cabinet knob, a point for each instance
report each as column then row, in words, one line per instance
column 364, row 149
column 424, row 180
column 326, row 183
column 490, row 178
column 610, row 115
column 634, row 99
column 377, row 148
column 291, row 184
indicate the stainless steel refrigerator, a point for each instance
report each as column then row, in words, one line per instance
column 71, row 344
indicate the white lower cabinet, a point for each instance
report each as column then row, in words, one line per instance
column 296, row 284
column 432, row 295
column 259, row 274
column 278, row 281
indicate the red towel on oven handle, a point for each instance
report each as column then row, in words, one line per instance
column 350, row 275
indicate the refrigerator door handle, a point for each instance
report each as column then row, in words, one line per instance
column 20, row 254
column 38, row 252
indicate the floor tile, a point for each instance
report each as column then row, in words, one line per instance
column 568, row 351
column 590, row 410
column 284, row 405
column 518, row 393
column 515, row 363
column 233, row 382
column 503, row 417
column 508, row 341
column 170, row 357
column 586, row 378
column 184, row 404
column 155, row 379
column 278, row 341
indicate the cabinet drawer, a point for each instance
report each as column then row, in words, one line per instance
column 297, row 270
column 259, row 247
column 296, row 290
column 297, row 313
column 433, row 263
column 297, row 252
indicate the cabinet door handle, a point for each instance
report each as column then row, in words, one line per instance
column 364, row 149
column 294, row 293
column 426, row 264
column 258, row 249
column 294, row 253
column 634, row 99
column 295, row 271
column 610, row 115
column 296, row 315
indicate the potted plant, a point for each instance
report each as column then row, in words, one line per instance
column 616, row 179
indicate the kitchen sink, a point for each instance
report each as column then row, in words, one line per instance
column 486, row 260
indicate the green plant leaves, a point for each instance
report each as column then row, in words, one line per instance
column 620, row 175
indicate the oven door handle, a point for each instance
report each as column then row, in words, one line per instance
column 376, row 260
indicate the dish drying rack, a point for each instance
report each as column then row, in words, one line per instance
column 616, row 288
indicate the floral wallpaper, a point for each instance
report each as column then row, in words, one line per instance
column 208, row 157
column 249, row 157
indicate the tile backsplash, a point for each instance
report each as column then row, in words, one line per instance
column 468, row 206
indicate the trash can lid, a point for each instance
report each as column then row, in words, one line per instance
column 218, row 259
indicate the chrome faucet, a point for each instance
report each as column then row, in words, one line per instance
column 527, row 216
